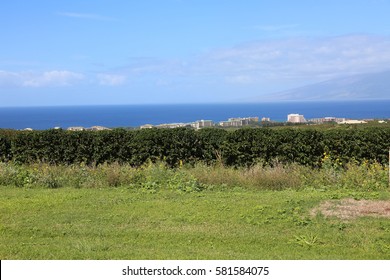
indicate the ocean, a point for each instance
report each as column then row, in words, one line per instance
column 137, row 115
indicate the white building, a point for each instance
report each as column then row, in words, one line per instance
column 171, row 125
column 146, row 126
column 98, row 128
column 236, row 122
column 202, row 123
column 295, row 118
column 352, row 122
column 76, row 128
column 327, row 120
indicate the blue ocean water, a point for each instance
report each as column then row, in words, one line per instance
column 136, row 115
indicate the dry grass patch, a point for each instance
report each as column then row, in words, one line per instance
column 350, row 208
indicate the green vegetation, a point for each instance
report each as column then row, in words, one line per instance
column 254, row 193
column 114, row 211
column 333, row 175
column 241, row 147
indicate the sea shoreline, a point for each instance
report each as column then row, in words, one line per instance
column 112, row 116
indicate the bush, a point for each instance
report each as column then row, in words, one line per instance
column 238, row 148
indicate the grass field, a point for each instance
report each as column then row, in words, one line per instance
column 193, row 212
column 216, row 223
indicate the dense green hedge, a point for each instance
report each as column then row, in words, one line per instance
column 242, row 147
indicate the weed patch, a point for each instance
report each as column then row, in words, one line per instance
column 366, row 178
column 306, row 240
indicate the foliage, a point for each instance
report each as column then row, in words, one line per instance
column 239, row 148
column 154, row 177
column 183, row 193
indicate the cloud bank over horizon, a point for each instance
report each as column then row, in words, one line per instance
column 193, row 51
column 29, row 79
column 293, row 59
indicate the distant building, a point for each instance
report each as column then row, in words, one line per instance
column 252, row 119
column 327, row 120
column 171, row 125
column 76, row 128
column 265, row 119
column 202, row 123
column 98, row 128
column 224, row 123
column 352, row 122
column 295, row 118
column 146, row 126
column 237, row 122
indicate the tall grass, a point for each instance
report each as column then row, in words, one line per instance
column 256, row 177
column 155, row 176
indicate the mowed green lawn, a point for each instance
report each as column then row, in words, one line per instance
column 123, row 223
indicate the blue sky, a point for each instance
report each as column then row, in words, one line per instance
column 79, row 52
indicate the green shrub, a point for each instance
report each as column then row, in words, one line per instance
column 238, row 148
column 184, row 182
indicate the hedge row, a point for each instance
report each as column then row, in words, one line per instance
column 242, row 147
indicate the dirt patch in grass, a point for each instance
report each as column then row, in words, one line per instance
column 351, row 208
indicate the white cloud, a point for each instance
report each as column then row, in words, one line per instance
column 267, row 65
column 55, row 78
column 299, row 59
column 9, row 79
column 240, row 79
column 111, row 79
column 52, row 78
column 146, row 65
